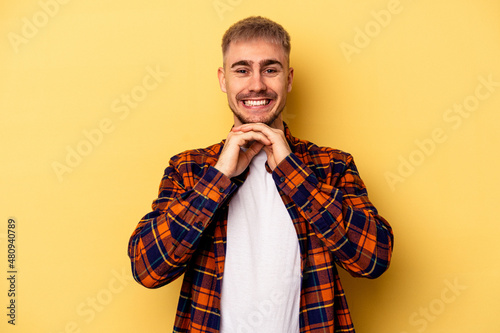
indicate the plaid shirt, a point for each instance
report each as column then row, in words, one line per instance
column 330, row 210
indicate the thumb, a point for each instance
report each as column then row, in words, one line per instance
column 253, row 150
column 270, row 157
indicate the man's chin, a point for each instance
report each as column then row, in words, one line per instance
column 269, row 119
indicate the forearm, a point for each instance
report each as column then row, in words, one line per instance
column 342, row 217
column 165, row 239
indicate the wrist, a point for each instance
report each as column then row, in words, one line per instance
column 222, row 170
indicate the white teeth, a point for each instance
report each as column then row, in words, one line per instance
column 255, row 103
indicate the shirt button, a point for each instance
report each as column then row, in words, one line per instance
column 199, row 225
column 216, row 311
column 221, row 189
column 282, row 179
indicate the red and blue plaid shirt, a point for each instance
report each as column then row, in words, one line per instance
column 330, row 210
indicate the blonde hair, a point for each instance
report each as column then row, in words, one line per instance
column 257, row 27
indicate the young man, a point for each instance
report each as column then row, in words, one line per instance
column 257, row 222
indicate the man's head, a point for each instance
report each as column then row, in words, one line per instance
column 256, row 75
column 257, row 27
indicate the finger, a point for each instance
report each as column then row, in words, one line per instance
column 269, row 152
column 250, row 127
column 254, row 149
column 274, row 135
column 271, row 161
column 244, row 138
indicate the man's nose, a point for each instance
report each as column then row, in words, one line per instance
column 257, row 82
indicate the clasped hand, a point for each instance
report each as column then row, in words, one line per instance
column 255, row 137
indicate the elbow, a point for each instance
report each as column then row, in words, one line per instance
column 381, row 261
column 153, row 278
column 370, row 272
column 377, row 271
column 141, row 276
column 380, row 264
column 145, row 278
column 141, row 271
column 149, row 284
column 372, row 265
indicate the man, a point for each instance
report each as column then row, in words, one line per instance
column 257, row 222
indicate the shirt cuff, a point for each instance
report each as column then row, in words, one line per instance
column 214, row 187
column 291, row 173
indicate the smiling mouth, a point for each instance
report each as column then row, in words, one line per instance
column 259, row 102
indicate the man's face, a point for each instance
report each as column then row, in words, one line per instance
column 256, row 79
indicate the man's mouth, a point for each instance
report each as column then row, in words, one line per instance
column 258, row 102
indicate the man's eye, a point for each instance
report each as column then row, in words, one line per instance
column 241, row 71
column 270, row 71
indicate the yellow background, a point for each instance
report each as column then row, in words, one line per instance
column 66, row 66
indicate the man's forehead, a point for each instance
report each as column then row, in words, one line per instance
column 254, row 51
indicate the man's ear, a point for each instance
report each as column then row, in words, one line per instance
column 222, row 79
column 290, row 79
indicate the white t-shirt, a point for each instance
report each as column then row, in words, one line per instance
column 261, row 283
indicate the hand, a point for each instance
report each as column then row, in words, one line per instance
column 233, row 160
column 275, row 144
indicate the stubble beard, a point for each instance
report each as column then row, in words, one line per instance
column 266, row 119
column 269, row 121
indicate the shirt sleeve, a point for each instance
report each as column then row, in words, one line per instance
column 340, row 215
column 165, row 239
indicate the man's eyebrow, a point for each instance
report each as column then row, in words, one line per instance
column 263, row 63
column 242, row 63
column 268, row 62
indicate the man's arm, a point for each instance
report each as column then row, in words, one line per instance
column 165, row 239
column 339, row 212
column 341, row 215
